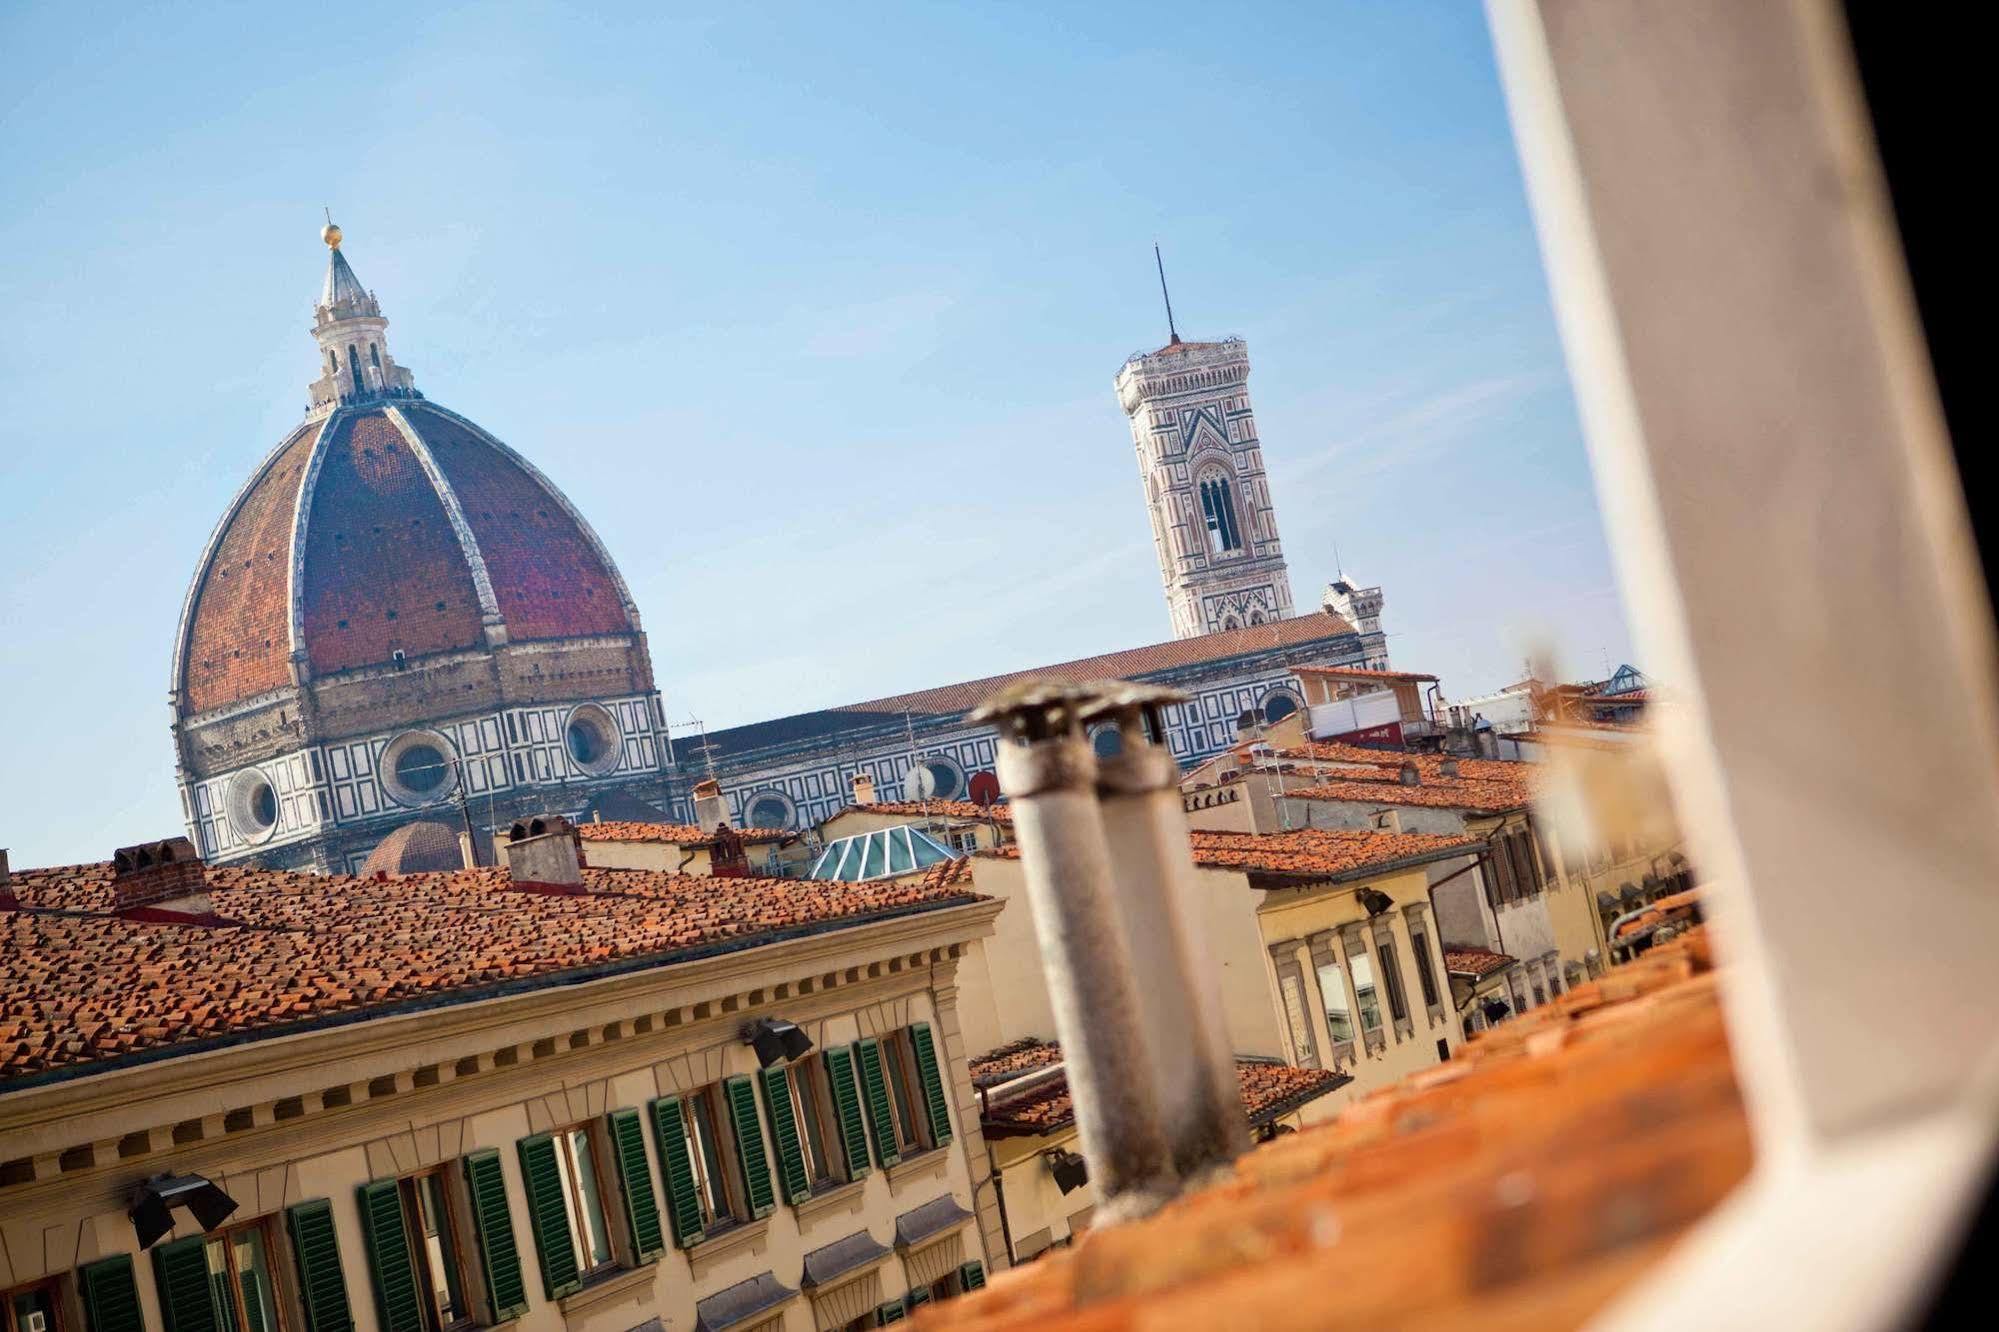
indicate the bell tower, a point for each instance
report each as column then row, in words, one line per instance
column 1214, row 528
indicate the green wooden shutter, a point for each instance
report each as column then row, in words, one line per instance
column 187, row 1302
column 548, row 1217
column 791, row 1171
column 683, row 1204
column 493, row 1228
column 847, row 1107
column 919, row 1296
column 111, row 1296
column 892, row 1312
column 972, row 1275
column 628, row 1143
column 932, row 1078
column 322, row 1286
column 396, row 1297
column 742, row 1099
column 881, row 1115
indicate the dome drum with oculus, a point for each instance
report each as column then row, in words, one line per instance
column 592, row 739
column 253, row 805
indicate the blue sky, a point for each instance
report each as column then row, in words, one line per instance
column 812, row 309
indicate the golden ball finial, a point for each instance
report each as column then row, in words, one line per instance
column 330, row 234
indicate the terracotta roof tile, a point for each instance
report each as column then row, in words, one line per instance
column 1269, row 1089
column 1475, row 962
column 1358, row 673
column 676, row 834
column 1473, row 1194
column 78, row 985
column 943, row 809
column 1315, row 852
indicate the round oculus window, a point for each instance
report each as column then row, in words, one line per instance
column 770, row 809
column 947, row 779
column 1108, row 741
column 418, row 767
column 1278, row 706
column 592, row 739
column 253, row 805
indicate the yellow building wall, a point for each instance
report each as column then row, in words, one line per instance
column 331, row 1155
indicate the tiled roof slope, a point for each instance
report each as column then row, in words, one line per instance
column 241, row 597
column 380, row 567
column 1314, row 852
column 1475, row 962
column 1521, row 1185
column 939, row 809
column 79, row 988
column 1269, row 1090
column 956, row 699
column 677, row 834
column 1330, row 770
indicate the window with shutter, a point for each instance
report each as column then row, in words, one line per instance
column 892, row 1312
column 548, row 1216
column 917, row 1297
column 396, row 1297
column 841, row 1079
column 784, row 1131
column 683, row 1201
column 187, row 1301
column 493, row 1230
column 881, row 1115
column 931, row 1076
column 628, row 1148
column 322, row 1286
column 111, row 1296
column 750, row 1155
column 972, row 1275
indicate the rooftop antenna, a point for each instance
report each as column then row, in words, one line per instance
column 1164, row 294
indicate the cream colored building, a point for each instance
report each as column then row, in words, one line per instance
column 682, row 848
column 1029, row 1124
column 457, row 1100
column 1308, row 974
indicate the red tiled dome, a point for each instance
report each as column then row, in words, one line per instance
column 421, row 847
column 417, row 533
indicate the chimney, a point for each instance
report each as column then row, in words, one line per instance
column 468, row 851
column 1388, row 820
column 1152, row 871
column 1248, row 726
column 6, row 871
column 1448, row 768
column 168, row 876
column 1049, row 773
column 864, row 789
column 545, row 850
column 1410, row 775
column 710, row 810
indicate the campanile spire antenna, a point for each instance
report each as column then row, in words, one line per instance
column 1164, row 294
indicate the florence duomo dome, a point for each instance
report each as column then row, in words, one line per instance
column 400, row 618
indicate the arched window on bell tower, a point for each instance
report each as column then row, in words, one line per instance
column 1219, row 514
column 354, row 364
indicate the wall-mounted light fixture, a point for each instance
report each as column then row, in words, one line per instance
column 1071, row 1171
column 774, row 1040
column 153, row 1203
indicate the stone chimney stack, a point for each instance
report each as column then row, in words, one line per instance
column 710, row 810
column 1049, row 773
column 1152, row 870
column 1409, row 774
column 545, row 850
column 166, row 875
column 864, row 789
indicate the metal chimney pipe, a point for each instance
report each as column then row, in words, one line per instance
column 1050, row 777
column 1152, row 868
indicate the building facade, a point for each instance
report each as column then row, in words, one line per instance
column 793, row 772
column 470, row 1100
column 1214, row 525
column 396, row 615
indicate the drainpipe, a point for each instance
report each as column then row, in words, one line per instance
column 1049, row 773
column 1152, row 870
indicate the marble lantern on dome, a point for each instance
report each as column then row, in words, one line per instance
column 400, row 618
